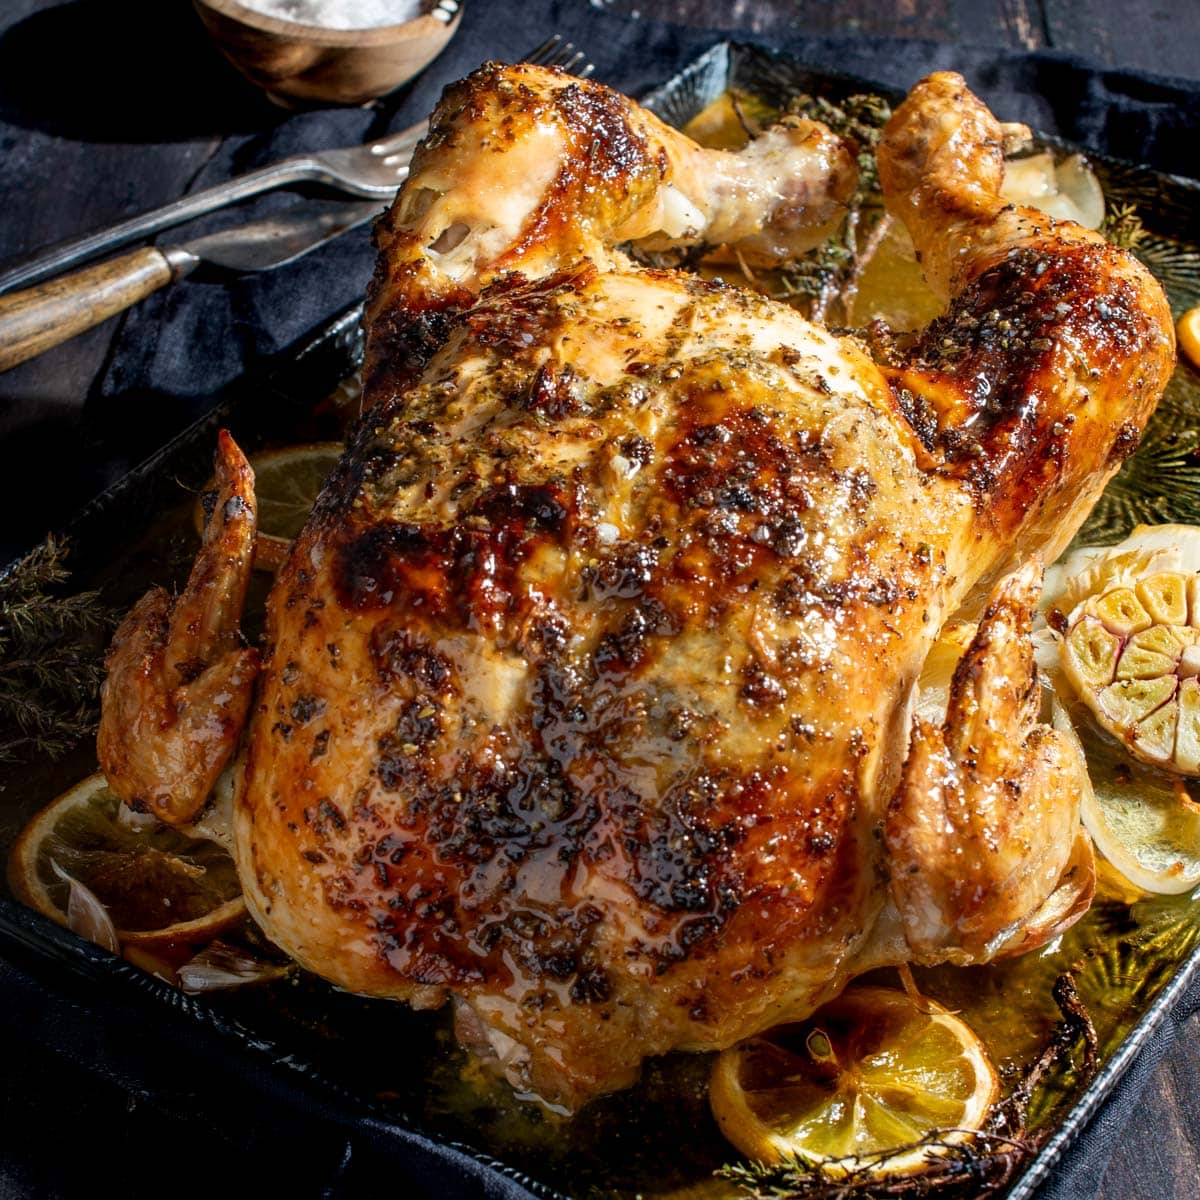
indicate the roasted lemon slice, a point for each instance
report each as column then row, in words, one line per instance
column 1150, row 837
column 868, row 1073
column 159, row 886
column 286, row 484
column 1144, row 823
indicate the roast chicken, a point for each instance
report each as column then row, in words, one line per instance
column 586, row 696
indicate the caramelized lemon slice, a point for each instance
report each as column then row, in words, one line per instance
column 159, row 886
column 1155, row 843
column 286, row 484
column 866, row 1074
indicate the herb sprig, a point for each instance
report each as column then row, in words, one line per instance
column 51, row 656
column 1123, row 226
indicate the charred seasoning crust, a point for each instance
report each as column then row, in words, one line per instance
column 608, row 171
column 979, row 387
column 447, row 883
column 466, row 573
column 452, row 891
column 450, row 886
column 403, row 340
column 513, row 314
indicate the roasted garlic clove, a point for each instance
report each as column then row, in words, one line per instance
column 1130, row 701
column 1154, row 736
column 1121, row 612
column 1090, row 654
column 1187, row 733
column 1164, row 596
column 1140, row 663
column 1167, row 640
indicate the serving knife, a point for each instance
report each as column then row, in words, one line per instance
column 34, row 320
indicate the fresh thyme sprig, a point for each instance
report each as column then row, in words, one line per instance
column 816, row 272
column 982, row 1164
column 51, row 659
column 1123, row 226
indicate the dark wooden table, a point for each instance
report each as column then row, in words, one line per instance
column 134, row 152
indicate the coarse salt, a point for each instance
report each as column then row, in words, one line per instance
column 339, row 14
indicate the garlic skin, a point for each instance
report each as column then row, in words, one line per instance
column 86, row 914
column 220, row 966
column 1131, row 645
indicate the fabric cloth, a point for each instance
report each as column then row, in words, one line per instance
column 180, row 347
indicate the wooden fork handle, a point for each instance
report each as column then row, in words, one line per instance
column 43, row 316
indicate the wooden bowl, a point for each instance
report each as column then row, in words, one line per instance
column 309, row 64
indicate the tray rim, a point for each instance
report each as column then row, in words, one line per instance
column 1101, row 1087
column 30, row 933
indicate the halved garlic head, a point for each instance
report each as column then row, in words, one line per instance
column 1131, row 646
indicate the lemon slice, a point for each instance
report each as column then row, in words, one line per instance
column 1142, row 822
column 866, row 1074
column 1188, row 333
column 159, row 886
column 891, row 287
column 286, row 484
column 1154, row 842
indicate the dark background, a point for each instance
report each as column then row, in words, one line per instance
column 107, row 109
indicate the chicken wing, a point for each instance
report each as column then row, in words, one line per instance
column 179, row 682
column 986, row 818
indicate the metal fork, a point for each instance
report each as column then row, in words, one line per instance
column 374, row 169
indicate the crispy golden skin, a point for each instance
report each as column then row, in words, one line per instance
column 180, row 682
column 587, row 685
column 986, row 818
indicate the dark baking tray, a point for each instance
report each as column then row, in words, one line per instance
column 363, row 1066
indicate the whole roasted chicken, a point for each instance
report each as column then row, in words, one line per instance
column 586, row 693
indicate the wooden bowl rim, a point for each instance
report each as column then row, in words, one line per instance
column 426, row 25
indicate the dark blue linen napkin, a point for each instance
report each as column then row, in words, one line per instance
column 179, row 348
